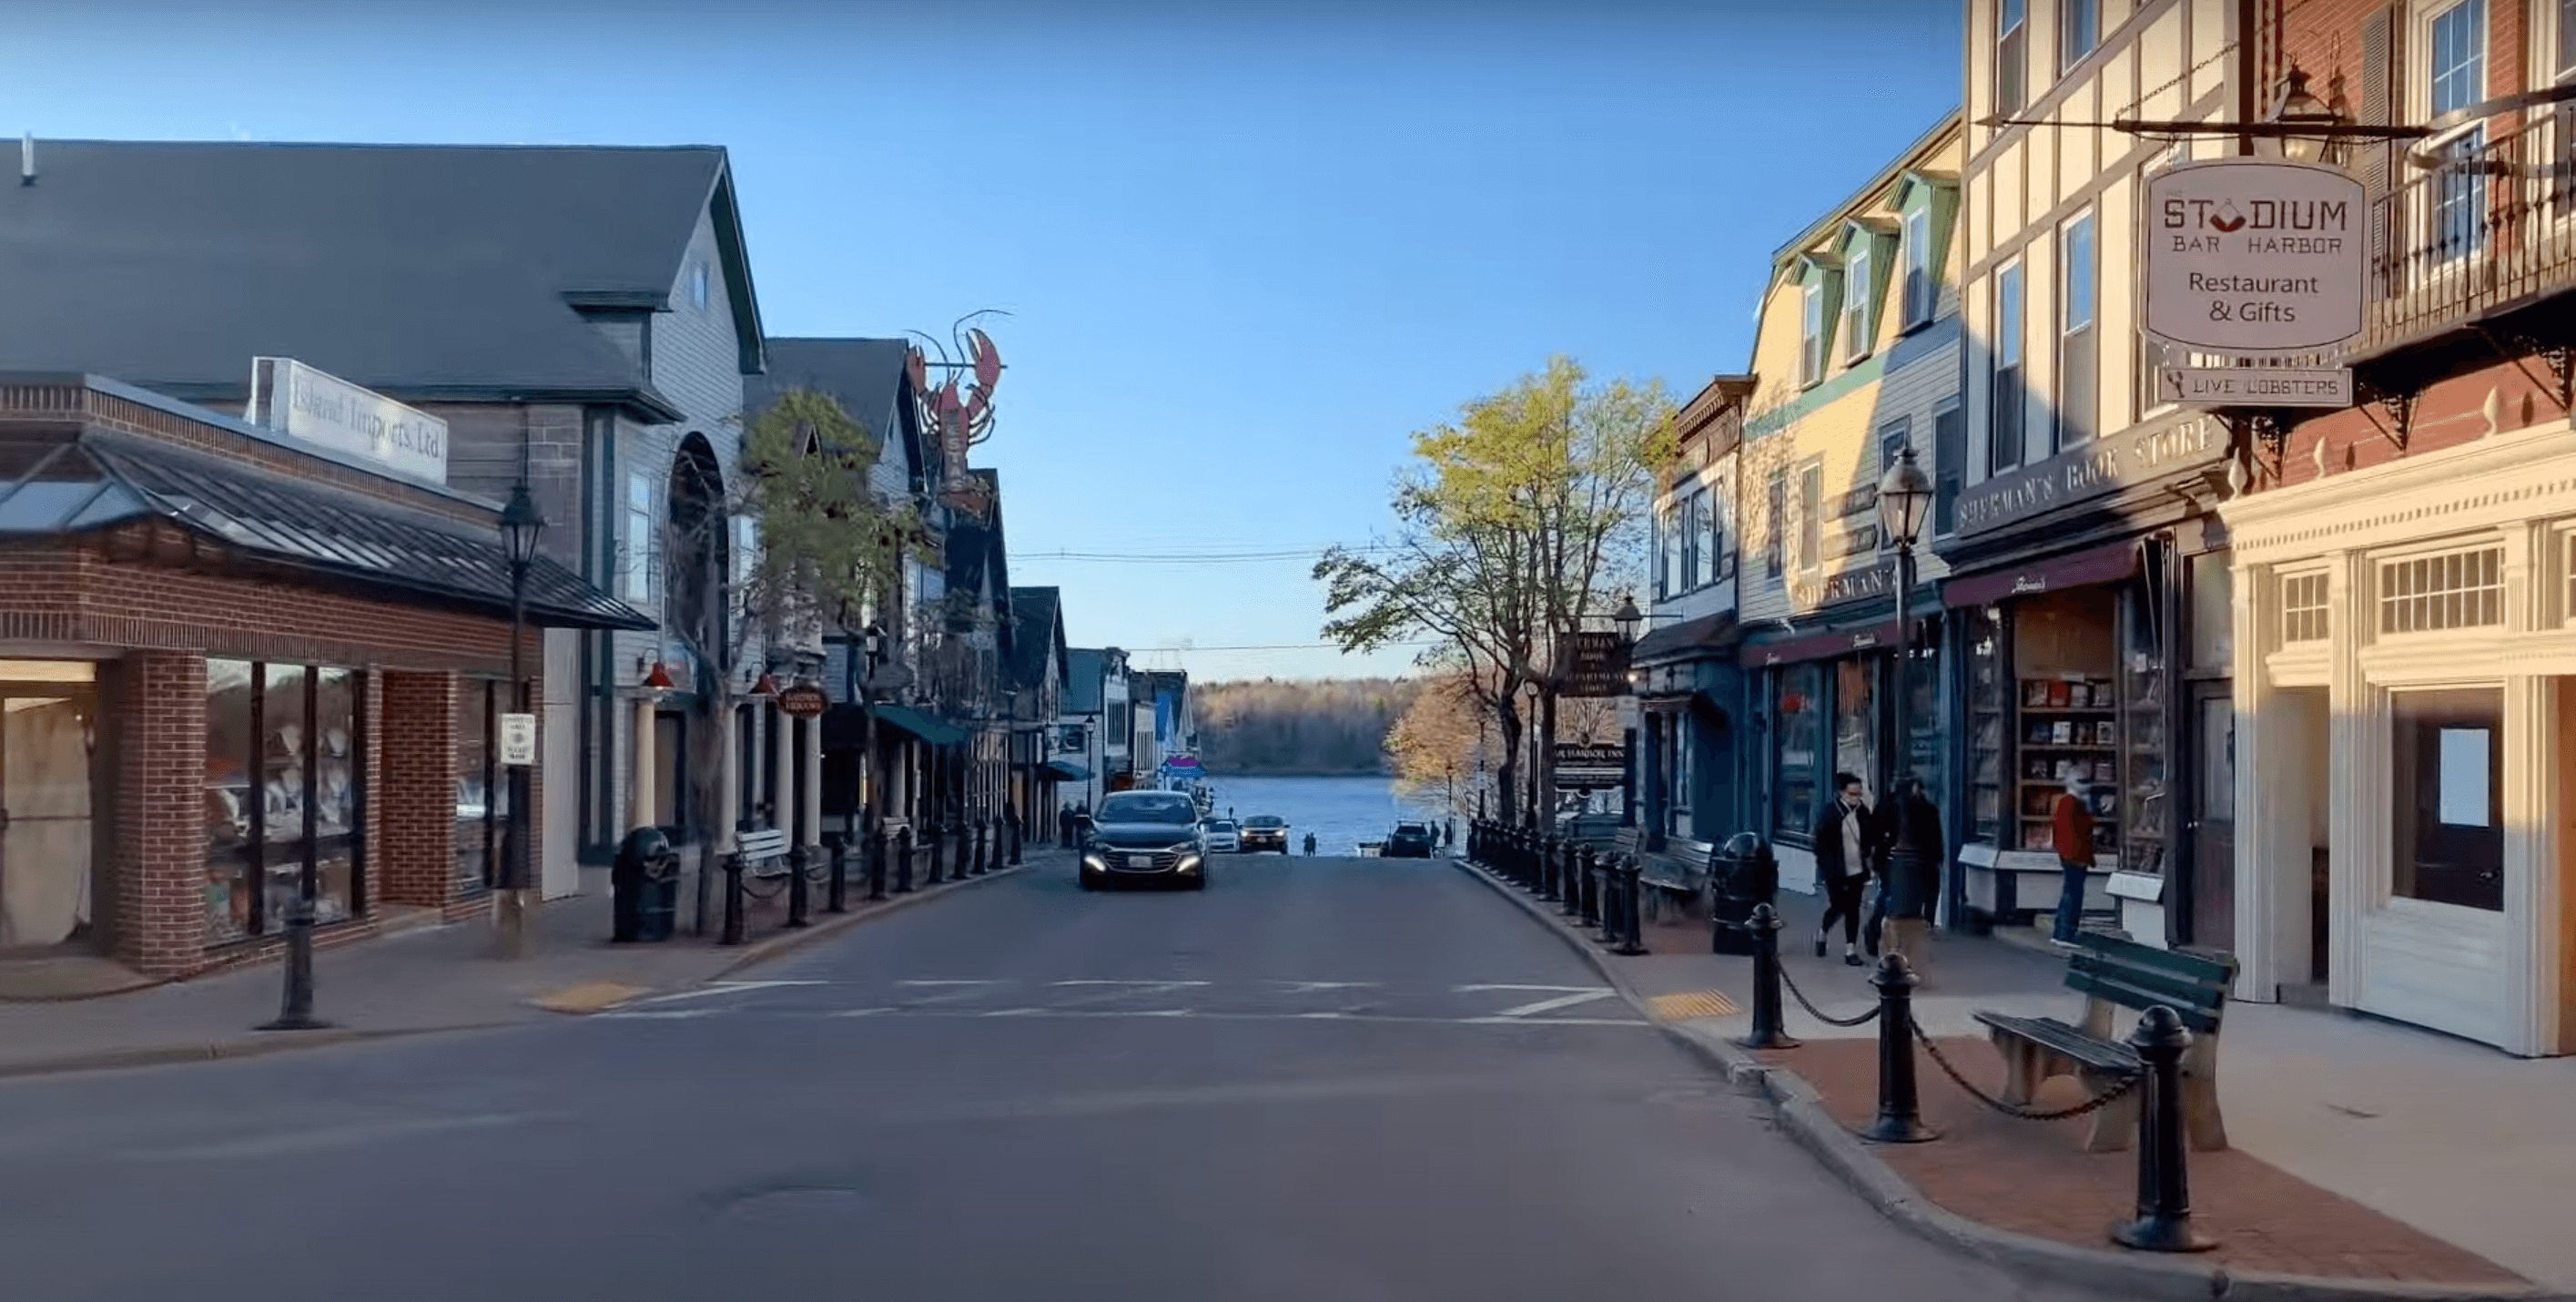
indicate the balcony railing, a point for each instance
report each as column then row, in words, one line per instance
column 2494, row 229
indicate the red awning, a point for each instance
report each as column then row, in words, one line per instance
column 2107, row 564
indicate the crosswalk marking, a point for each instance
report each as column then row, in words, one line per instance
column 1551, row 1005
column 1574, row 990
column 725, row 988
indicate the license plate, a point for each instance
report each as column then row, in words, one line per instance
column 1140, row 861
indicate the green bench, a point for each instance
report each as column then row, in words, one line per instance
column 2114, row 972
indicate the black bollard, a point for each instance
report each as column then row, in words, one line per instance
column 1900, row 1116
column 903, row 863
column 732, row 901
column 295, row 1005
column 879, row 846
column 839, row 900
column 1588, row 884
column 1632, row 913
column 1569, row 883
column 1765, row 925
column 1605, row 873
column 938, row 866
column 800, row 898
column 970, row 855
column 2164, row 1185
column 1017, row 834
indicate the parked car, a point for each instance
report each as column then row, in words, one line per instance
column 1409, row 841
column 1222, row 835
column 1265, row 832
column 1144, row 836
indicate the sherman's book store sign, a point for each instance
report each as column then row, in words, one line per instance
column 2259, row 261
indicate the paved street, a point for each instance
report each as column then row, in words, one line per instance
column 1347, row 1079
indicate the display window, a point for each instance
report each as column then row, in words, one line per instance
column 284, row 790
column 1798, row 706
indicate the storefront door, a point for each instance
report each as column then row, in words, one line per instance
column 46, row 875
column 2211, row 817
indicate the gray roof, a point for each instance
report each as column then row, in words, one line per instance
column 866, row 376
column 421, row 271
column 1039, row 614
column 1084, row 667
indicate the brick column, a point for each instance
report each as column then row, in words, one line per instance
column 160, row 813
column 415, row 802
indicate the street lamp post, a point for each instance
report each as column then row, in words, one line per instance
column 1904, row 498
column 1628, row 618
column 521, row 526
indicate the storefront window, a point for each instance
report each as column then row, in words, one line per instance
column 1989, row 711
column 283, row 765
column 336, row 845
column 1923, row 718
column 1684, row 743
column 232, row 898
column 2213, row 631
column 2064, row 658
column 1799, row 707
column 2446, row 773
column 1856, row 719
column 2142, row 706
column 477, row 809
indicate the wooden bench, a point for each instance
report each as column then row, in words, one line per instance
column 2112, row 971
column 764, row 853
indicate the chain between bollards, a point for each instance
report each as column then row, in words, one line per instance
column 2163, row 1223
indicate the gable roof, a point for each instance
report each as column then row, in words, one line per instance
column 425, row 272
column 1039, row 612
column 1085, row 668
column 867, row 376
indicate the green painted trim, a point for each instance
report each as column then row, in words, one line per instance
column 1773, row 421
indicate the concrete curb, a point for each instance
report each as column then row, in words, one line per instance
column 1799, row 1112
column 828, row 925
column 253, row 1045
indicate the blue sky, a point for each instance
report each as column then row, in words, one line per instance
column 1247, row 248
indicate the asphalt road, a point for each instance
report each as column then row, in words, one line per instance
column 1321, row 1079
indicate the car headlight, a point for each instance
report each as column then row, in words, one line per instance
column 1189, row 863
column 1095, row 863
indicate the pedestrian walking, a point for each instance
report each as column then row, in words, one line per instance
column 1907, row 883
column 1064, row 826
column 2073, row 836
column 1310, row 845
column 1846, row 847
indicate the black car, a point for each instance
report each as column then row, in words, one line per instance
column 1145, row 837
column 1265, row 832
column 1410, row 841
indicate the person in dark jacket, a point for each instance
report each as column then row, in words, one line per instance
column 1907, row 884
column 1847, row 846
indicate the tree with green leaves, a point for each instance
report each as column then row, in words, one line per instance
column 1514, row 525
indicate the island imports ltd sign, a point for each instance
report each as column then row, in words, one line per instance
column 302, row 403
column 2251, row 257
column 2096, row 469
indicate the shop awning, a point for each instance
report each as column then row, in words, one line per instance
column 100, row 478
column 2107, row 564
column 1690, row 639
column 1819, row 646
column 919, row 725
column 1068, row 770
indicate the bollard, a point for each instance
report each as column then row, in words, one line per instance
column 1589, row 887
column 732, row 901
column 1603, row 872
column 800, row 899
column 1548, row 873
column 839, row 900
column 1569, row 876
column 295, row 1006
column 1766, row 1034
column 880, row 845
column 903, row 863
column 1018, row 834
column 1632, row 939
column 938, row 864
column 1900, row 1117
column 972, row 853
column 988, row 839
column 2164, row 1186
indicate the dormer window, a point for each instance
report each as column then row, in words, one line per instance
column 1856, row 332
column 1920, row 288
column 1811, row 345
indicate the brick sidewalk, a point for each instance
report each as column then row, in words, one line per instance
column 2035, row 1178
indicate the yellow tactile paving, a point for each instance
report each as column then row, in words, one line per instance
column 593, row 997
column 1692, row 1003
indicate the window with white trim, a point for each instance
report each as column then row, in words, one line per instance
column 1694, row 571
column 1856, row 331
column 2564, row 65
column 1811, row 338
column 2457, row 77
column 2303, row 608
column 1775, row 503
column 1920, row 287
column 2079, row 350
column 2567, row 566
column 2004, row 446
column 1703, row 522
column 1811, row 515
column 2012, row 73
column 2079, row 29
column 2446, row 590
column 637, row 564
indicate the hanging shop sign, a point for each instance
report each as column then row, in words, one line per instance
column 803, row 701
column 1597, row 665
column 2255, row 386
column 2248, row 257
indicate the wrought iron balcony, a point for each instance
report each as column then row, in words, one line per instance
column 2493, row 232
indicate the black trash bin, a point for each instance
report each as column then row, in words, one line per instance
column 1742, row 874
column 644, row 887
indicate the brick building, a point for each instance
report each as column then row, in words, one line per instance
column 2405, row 570
column 228, row 658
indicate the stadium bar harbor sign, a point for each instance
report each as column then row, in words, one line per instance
column 2254, row 258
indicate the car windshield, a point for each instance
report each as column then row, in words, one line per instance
column 1265, row 820
column 1411, row 829
column 1149, row 809
column 1221, row 825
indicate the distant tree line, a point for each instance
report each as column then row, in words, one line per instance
column 1280, row 727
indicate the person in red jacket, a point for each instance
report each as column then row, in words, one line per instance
column 2074, row 841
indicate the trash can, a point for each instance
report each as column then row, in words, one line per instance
column 1742, row 874
column 644, row 887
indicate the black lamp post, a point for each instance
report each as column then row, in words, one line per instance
column 1628, row 619
column 1904, row 498
column 521, row 526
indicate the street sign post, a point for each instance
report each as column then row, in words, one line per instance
column 2255, row 386
column 518, row 739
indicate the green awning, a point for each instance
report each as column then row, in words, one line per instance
column 1068, row 770
column 920, row 725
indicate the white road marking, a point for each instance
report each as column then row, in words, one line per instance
column 949, row 992
column 1305, row 987
column 669, row 1015
column 861, row 1012
column 1109, row 990
column 970, row 981
column 1571, row 990
column 305, row 1141
column 1550, row 1021
column 1014, row 1012
column 1551, row 1005
column 725, row 988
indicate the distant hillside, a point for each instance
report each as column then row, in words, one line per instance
column 1274, row 727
